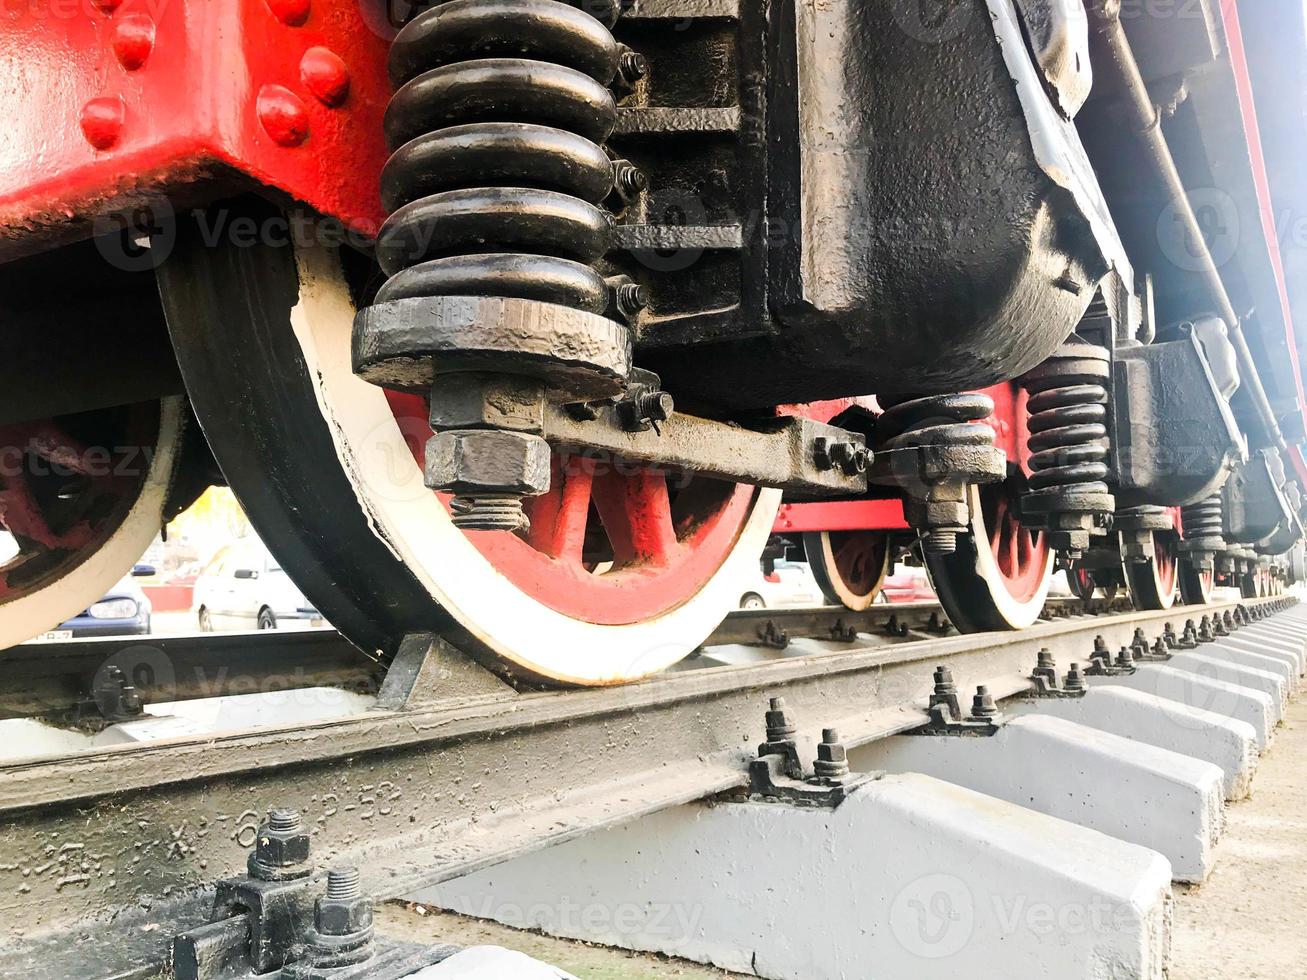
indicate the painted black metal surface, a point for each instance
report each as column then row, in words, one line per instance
column 896, row 236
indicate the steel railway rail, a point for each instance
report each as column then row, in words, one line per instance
column 54, row 680
column 453, row 770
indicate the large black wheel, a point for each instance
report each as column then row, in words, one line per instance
column 624, row 572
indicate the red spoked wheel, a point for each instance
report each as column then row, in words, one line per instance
column 1196, row 584
column 849, row 566
column 81, row 498
column 626, row 569
column 999, row 576
column 610, row 543
column 1152, row 583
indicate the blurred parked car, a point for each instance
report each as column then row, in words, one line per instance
column 244, row 588
column 790, row 584
column 124, row 611
column 907, row 583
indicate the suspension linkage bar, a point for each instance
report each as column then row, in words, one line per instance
column 790, row 453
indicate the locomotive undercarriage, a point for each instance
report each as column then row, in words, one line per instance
column 620, row 236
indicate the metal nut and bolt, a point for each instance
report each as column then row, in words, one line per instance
column 342, row 923
column 832, row 763
column 780, row 726
column 946, row 692
column 849, row 457
column 489, row 471
column 1075, row 681
column 632, row 65
column 644, row 408
column 281, row 849
column 488, row 449
column 983, row 707
column 115, row 697
column 629, row 181
column 1046, row 667
column 344, row 910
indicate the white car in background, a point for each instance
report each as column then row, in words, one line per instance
column 790, row 585
column 245, row 588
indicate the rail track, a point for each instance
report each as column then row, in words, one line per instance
column 452, row 770
column 53, row 680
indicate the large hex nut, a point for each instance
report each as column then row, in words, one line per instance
column 487, row 401
column 279, row 853
column 487, row 460
column 343, row 917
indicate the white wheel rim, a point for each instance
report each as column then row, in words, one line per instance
column 850, row 599
column 45, row 608
column 413, row 524
column 1016, row 613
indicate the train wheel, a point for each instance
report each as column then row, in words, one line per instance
column 999, row 576
column 1252, row 584
column 81, row 498
column 1152, row 583
column 849, row 566
column 1195, row 585
column 1081, row 582
column 626, row 569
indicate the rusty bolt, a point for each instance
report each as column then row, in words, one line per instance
column 1075, row 681
column 983, row 707
column 832, row 758
column 632, row 65
column 780, row 726
column 281, row 850
column 344, row 910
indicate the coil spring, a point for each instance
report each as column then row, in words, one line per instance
column 497, row 168
column 935, row 420
column 1068, row 433
column 1205, row 519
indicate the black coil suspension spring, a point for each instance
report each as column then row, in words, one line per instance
column 932, row 440
column 1205, row 519
column 498, row 169
column 1068, row 434
column 934, row 420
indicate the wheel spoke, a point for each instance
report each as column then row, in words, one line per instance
column 559, row 518
column 48, row 441
column 636, row 511
column 22, row 517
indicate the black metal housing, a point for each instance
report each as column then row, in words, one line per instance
column 1174, row 439
column 840, row 203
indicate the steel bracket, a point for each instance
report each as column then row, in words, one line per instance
column 792, row 453
column 770, row 782
column 1046, row 690
column 945, row 721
